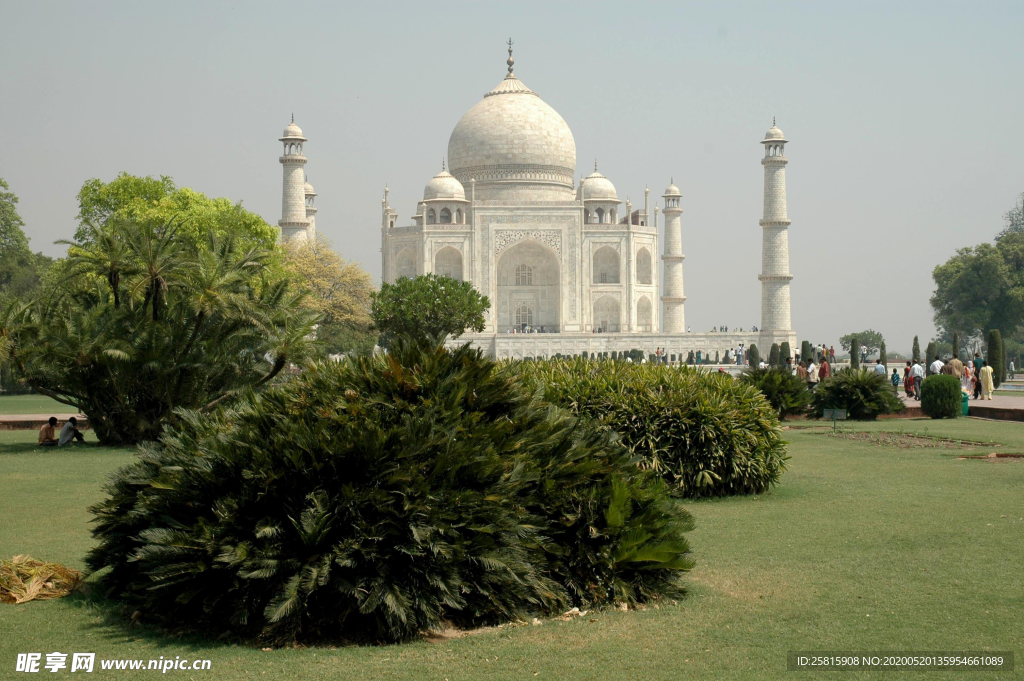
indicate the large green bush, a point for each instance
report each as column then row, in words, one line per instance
column 863, row 394
column 940, row 396
column 376, row 498
column 785, row 392
column 704, row 432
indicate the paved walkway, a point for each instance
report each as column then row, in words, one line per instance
column 33, row 421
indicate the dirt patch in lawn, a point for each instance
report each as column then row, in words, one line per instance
column 995, row 457
column 909, row 440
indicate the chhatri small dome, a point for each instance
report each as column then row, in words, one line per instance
column 774, row 133
column 444, row 186
column 513, row 138
column 293, row 131
column 672, row 189
column 309, row 189
column 597, row 187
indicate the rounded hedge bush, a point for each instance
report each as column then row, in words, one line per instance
column 376, row 498
column 705, row 433
column 863, row 394
column 941, row 396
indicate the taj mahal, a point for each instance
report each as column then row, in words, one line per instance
column 567, row 267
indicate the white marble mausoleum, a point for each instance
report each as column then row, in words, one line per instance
column 568, row 267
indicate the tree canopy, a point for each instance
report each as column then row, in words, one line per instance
column 982, row 287
column 20, row 269
column 340, row 292
column 870, row 338
column 143, row 322
column 428, row 306
column 140, row 199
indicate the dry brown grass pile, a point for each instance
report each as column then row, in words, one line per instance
column 24, row 579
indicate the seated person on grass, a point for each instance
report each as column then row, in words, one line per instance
column 48, row 432
column 70, row 432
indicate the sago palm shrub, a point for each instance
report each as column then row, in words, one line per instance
column 864, row 395
column 376, row 498
column 704, row 433
column 784, row 391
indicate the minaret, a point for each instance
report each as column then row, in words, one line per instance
column 776, row 325
column 673, row 259
column 310, row 195
column 293, row 222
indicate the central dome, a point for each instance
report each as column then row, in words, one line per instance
column 514, row 146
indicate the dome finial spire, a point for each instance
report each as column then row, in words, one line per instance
column 442, row 165
column 293, row 118
column 773, row 121
column 510, row 61
column 595, row 165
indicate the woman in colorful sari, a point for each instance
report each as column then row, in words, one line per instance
column 967, row 380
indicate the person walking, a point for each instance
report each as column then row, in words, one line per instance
column 895, row 379
column 918, row 373
column 801, row 371
column 979, row 364
column 812, row 375
column 824, row 371
column 986, row 383
column 908, row 380
column 879, row 367
column 831, row 354
column 956, row 365
column 1010, row 369
column 967, row 380
column 935, row 367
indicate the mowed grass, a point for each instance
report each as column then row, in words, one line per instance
column 862, row 547
column 32, row 404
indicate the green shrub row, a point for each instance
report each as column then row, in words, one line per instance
column 376, row 498
column 705, row 433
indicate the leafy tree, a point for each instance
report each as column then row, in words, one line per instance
column 870, row 338
column 21, row 270
column 956, row 343
column 982, row 288
column 139, row 200
column 753, row 356
column 784, row 352
column 805, row 351
column 340, row 293
column 1014, row 219
column 774, row 355
column 996, row 357
column 143, row 323
column 916, row 353
column 854, row 347
column 884, row 356
column 428, row 306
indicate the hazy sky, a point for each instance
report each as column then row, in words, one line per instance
column 905, row 123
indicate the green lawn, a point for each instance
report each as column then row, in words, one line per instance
column 32, row 404
column 863, row 547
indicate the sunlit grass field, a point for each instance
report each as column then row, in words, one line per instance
column 879, row 543
column 32, row 404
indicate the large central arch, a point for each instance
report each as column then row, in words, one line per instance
column 528, row 288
